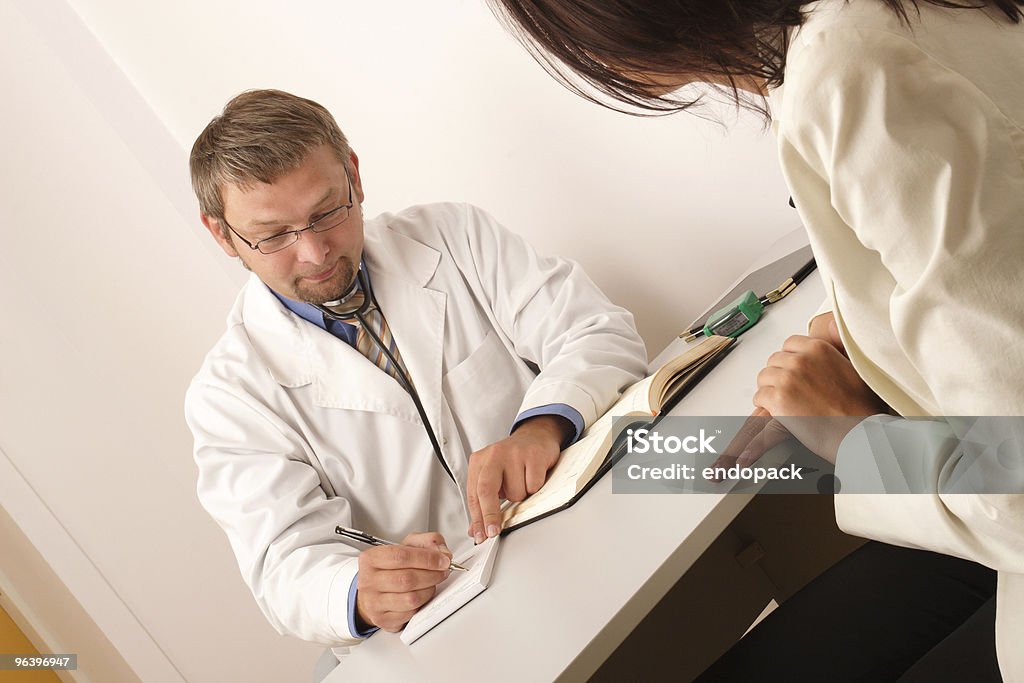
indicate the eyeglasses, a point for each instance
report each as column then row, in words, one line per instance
column 283, row 240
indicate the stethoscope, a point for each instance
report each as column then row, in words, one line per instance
column 345, row 314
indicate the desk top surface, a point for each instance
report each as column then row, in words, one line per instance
column 567, row 590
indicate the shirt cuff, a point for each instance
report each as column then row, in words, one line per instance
column 559, row 409
column 352, row 628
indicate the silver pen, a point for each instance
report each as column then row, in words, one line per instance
column 369, row 539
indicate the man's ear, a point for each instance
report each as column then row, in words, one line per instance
column 214, row 227
column 357, row 181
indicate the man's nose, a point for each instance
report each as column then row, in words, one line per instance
column 312, row 247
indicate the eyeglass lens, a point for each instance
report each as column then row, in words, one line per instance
column 286, row 239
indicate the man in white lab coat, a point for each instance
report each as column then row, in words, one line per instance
column 296, row 428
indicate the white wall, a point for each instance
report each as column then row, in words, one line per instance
column 110, row 293
column 441, row 103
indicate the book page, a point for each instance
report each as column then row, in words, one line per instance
column 676, row 373
column 455, row 591
column 680, row 381
column 635, row 400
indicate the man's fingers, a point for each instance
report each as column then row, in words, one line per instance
column 427, row 539
column 513, row 485
column 476, row 516
column 402, row 581
column 403, row 557
column 536, row 473
column 492, row 523
column 394, row 610
column 389, row 598
column 483, row 494
column 487, row 486
column 393, row 622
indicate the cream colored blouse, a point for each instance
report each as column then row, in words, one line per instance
column 904, row 151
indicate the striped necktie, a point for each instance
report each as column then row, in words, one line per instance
column 365, row 344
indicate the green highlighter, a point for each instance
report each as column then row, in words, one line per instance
column 737, row 317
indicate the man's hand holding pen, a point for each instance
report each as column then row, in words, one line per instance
column 396, row 580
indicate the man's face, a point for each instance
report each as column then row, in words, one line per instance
column 320, row 266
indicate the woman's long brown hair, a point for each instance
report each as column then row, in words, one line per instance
column 603, row 47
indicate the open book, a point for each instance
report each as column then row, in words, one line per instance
column 584, row 462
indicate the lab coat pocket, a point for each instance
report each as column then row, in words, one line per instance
column 484, row 393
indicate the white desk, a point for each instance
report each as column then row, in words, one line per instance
column 567, row 590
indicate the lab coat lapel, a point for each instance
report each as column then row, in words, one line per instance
column 400, row 268
column 298, row 354
column 346, row 379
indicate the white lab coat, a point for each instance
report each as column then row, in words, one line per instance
column 904, row 151
column 296, row 432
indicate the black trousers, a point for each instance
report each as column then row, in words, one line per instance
column 881, row 614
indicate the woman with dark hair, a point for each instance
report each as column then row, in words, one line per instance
column 900, row 127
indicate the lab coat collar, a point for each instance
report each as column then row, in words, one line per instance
column 397, row 255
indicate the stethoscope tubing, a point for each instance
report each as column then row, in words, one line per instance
column 400, row 374
column 407, row 385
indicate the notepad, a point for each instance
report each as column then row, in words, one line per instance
column 455, row 591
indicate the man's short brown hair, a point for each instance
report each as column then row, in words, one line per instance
column 260, row 135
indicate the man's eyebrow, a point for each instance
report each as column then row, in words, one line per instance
column 276, row 222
